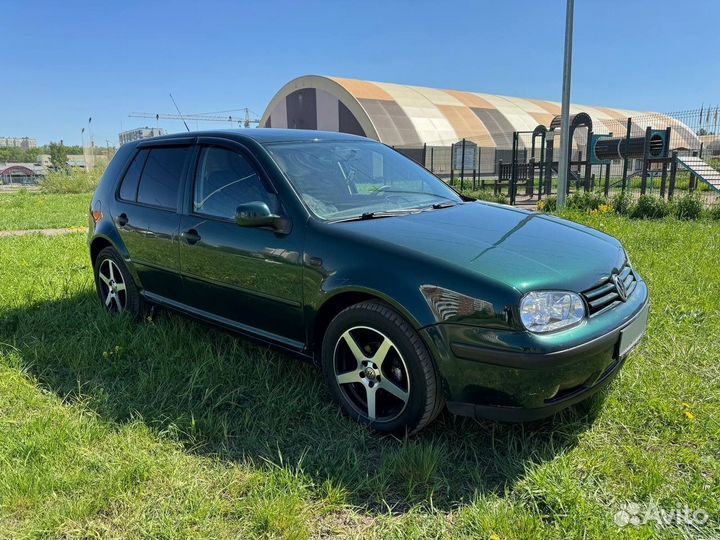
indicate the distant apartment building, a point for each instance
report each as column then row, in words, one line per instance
column 140, row 133
column 18, row 142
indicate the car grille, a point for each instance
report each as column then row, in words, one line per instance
column 605, row 295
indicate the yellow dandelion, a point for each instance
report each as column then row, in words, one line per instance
column 689, row 415
column 493, row 537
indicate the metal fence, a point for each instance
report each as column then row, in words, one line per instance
column 522, row 171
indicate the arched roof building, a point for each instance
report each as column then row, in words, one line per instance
column 407, row 116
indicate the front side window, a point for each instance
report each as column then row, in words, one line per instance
column 161, row 176
column 347, row 179
column 226, row 179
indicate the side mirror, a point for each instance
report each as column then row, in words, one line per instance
column 258, row 214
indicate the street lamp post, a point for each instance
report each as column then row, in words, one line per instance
column 565, row 141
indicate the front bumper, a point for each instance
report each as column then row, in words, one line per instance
column 519, row 380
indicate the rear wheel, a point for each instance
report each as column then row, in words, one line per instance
column 115, row 286
column 378, row 369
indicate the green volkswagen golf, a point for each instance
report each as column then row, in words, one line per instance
column 335, row 248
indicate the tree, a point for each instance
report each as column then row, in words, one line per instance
column 58, row 155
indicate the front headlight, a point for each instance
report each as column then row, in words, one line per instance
column 547, row 311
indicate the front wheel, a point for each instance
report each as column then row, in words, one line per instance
column 379, row 371
column 115, row 286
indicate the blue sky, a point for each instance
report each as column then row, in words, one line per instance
column 66, row 61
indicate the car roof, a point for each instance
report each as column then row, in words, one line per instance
column 268, row 135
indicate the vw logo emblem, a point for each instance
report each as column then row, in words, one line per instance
column 620, row 287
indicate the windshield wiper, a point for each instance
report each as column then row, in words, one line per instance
column 374, row 215
column 439, row 205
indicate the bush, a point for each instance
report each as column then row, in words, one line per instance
column 586, row 201
column 714, row 211
column 548, row 205
column 688, row 206
column 622, row 204
column 649, row 207
column 72, row 180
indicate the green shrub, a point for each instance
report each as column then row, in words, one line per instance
column 622, row 204
column 714, row 211
column 72, row 180
column 586, row 201
column 649, row 207
column 687, row 206
column 548, row 205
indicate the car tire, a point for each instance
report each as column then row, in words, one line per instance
column 379, row 371
column 115, row 286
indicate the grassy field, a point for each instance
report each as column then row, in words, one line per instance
column 32, row 210
column 171, row 429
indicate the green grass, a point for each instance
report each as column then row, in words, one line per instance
column 169, row 428
column 31, row 210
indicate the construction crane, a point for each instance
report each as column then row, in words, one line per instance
column 245, row 121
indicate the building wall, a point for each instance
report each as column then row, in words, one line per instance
column 140, row 133
column 18, row 142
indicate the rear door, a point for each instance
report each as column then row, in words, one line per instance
column 250, row 276
column 146, row 213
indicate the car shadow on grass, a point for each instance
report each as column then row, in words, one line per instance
column 220, row 395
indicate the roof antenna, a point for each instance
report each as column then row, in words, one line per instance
column 178, row 110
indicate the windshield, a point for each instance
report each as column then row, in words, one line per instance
column 352, row 179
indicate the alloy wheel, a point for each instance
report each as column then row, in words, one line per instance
column 112, row 286
column 371, row 373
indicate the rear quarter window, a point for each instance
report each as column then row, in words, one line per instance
column 129, row 185
column 160, row 179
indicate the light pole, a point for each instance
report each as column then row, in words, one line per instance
column 565, row 141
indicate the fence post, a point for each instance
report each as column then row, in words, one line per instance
column 549, row 167
column 474, row 179
column 452, row 169
column 513, row 170
column 673, row 172
column 646, row 150
column 607, row 179
column 462, row 166
column 588, row 168
column 577, row 173
column 424, row 154
column 692, row 184
column 625, row 158
column 499, row 175
column 530, row 183
column 663, row 181
column 432, row 156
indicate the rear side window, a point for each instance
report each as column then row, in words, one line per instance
column 128, row 188
column 160, row 178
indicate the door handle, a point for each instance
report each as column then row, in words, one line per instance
column 122, row 220
column 191, row 236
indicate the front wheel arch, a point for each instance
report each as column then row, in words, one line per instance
column 341, row 300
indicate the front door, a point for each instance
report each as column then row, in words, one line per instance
column 251, row 277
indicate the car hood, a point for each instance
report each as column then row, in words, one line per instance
column 524, row 250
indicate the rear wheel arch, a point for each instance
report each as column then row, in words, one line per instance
column 97, row 245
